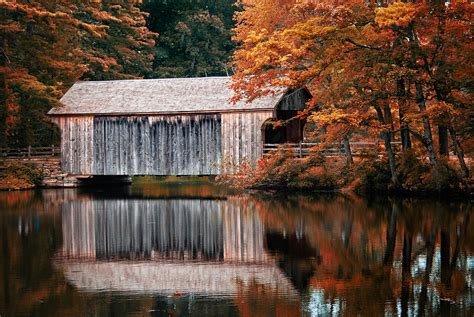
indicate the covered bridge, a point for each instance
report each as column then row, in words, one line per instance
column 184, row 126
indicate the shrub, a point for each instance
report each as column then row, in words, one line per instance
column 19, row 176
column 282, row 171
column 418, row 176
column 315, row 177
column 373, row 174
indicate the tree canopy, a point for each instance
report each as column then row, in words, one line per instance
column 382, row 68
column 195, row 37
column 48, row 45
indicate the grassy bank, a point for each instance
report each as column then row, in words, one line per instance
column 370, row 174
column 19, row 176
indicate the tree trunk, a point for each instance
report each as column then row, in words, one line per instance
column 388, row 148
column 443, row 140
column 347, row 150
column 421, row 100
column 387, row 114
column 427, row 134
column 404, row 129
column 459, row 153
column 391, row 159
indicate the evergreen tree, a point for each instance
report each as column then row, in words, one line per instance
column 195, row 37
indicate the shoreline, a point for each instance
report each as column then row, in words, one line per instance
column 271, row 190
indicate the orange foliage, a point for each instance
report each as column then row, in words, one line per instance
column 365, row 65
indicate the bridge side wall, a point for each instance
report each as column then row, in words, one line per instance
column 77, row 134
column 157, row 145
column 198, row 144
column 242, row 138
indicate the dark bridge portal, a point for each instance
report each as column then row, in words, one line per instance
column 289, row 128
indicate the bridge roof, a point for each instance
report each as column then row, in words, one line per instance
column 157, row 96
column 155, row 277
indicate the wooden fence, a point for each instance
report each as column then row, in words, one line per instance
column 304, row 149
column 30, row 152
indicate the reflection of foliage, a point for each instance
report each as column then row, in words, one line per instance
column 256, row 299
column 350, row 235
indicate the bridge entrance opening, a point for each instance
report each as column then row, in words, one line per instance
column 285, row 128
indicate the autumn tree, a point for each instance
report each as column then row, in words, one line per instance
column 435, row 57
column 48, row 45
column 38, row 61
column 365, row 65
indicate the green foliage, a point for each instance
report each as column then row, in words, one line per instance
column 195, row 37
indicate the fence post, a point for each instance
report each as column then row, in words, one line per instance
column 29, row 151
column 52, row 149
column 301, row 150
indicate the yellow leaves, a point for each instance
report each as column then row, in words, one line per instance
column 104, row 16
column 396, row 14
column 330, row 115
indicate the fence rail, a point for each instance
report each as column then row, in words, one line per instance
column 304, row 149
column 30, row 152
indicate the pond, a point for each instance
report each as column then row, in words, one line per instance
column 195, row 249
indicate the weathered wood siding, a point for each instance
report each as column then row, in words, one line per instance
column 242, row 138
column 205, row 229
column 77, row 134
column 161, row 145
column 157, row 145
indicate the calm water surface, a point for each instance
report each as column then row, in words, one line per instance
column 198, row 250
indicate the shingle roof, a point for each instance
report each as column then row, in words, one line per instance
column 156, row 96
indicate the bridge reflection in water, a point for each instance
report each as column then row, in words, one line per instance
column 193, row 250
column 200, row 246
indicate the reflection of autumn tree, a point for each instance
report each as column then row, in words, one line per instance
column 370, row 252
column 452, row 282
column 256, row 299
column 23, row 278
column 366, row 257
